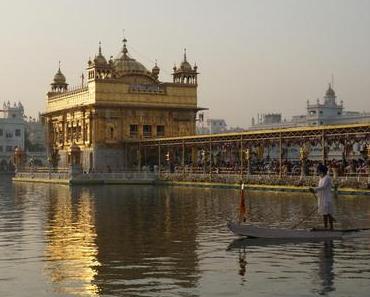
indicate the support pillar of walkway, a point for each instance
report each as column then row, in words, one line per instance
column 280, row 155
column 183, row 158
column 194, row 155
column 159, row 159
column 368, row 164
column 241, row 156
column 210, row 159
column 323, row 148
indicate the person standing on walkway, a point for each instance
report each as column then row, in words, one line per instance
column 325, row 197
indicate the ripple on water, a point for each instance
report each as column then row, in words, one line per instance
column 159, row 241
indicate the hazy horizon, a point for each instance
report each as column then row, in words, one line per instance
column 253, row 56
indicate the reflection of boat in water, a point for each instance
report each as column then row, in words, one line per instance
column 245, row 242
column 280, row 233
column 246, row 250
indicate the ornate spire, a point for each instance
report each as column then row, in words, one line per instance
column 156, row 65
column 59, row 75
column 185, row 74
column 82, row 79
column 100, row 60
column 100, row 48
column 156, row 70
column 124, row 49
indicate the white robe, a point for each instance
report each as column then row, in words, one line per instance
column 324, row 195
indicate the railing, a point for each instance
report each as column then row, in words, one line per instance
column 68, row 175
column 358, row 181
column 189, row 174
column 127, row 175
column 43, row 173
column 42, row 170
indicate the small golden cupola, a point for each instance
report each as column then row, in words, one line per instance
column 155, row 71
column 185, row 74
column 99, row 68
column 59, row 83
column 100, row 59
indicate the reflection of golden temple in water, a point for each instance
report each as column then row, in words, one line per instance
column 71, row 250
column 107, row 241
column 145, row 237
column 138, row 241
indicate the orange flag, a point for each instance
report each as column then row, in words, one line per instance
column 242, row 209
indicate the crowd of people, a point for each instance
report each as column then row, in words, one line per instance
column 354, row 167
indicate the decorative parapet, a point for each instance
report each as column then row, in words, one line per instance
column 70, row 91
column 69, row 99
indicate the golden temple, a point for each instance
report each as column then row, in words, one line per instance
column 122, row 101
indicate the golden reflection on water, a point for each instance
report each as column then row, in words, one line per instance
column 172, row 241
column 70, row 249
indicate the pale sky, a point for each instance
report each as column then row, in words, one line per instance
column 254, row 56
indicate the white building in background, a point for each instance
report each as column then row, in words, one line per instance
column 323, row 112
column 17, row 130
column 214, row 126
column 12, row 131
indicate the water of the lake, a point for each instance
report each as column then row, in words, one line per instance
column 170, row 241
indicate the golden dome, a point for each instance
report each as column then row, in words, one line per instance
column 185, row 65
column 127, row 65
column 100, row 59
column 59, row 77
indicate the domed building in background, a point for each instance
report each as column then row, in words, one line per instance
column 121, row 102
column 12, row 132
column 321, row 112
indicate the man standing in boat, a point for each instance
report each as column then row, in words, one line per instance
column 325, row 197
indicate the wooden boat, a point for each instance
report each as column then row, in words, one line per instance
column 247, row 242
column 281, row 233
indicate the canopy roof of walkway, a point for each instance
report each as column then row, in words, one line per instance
column 352, row 132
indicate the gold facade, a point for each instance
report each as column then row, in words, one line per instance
column 120, row 102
